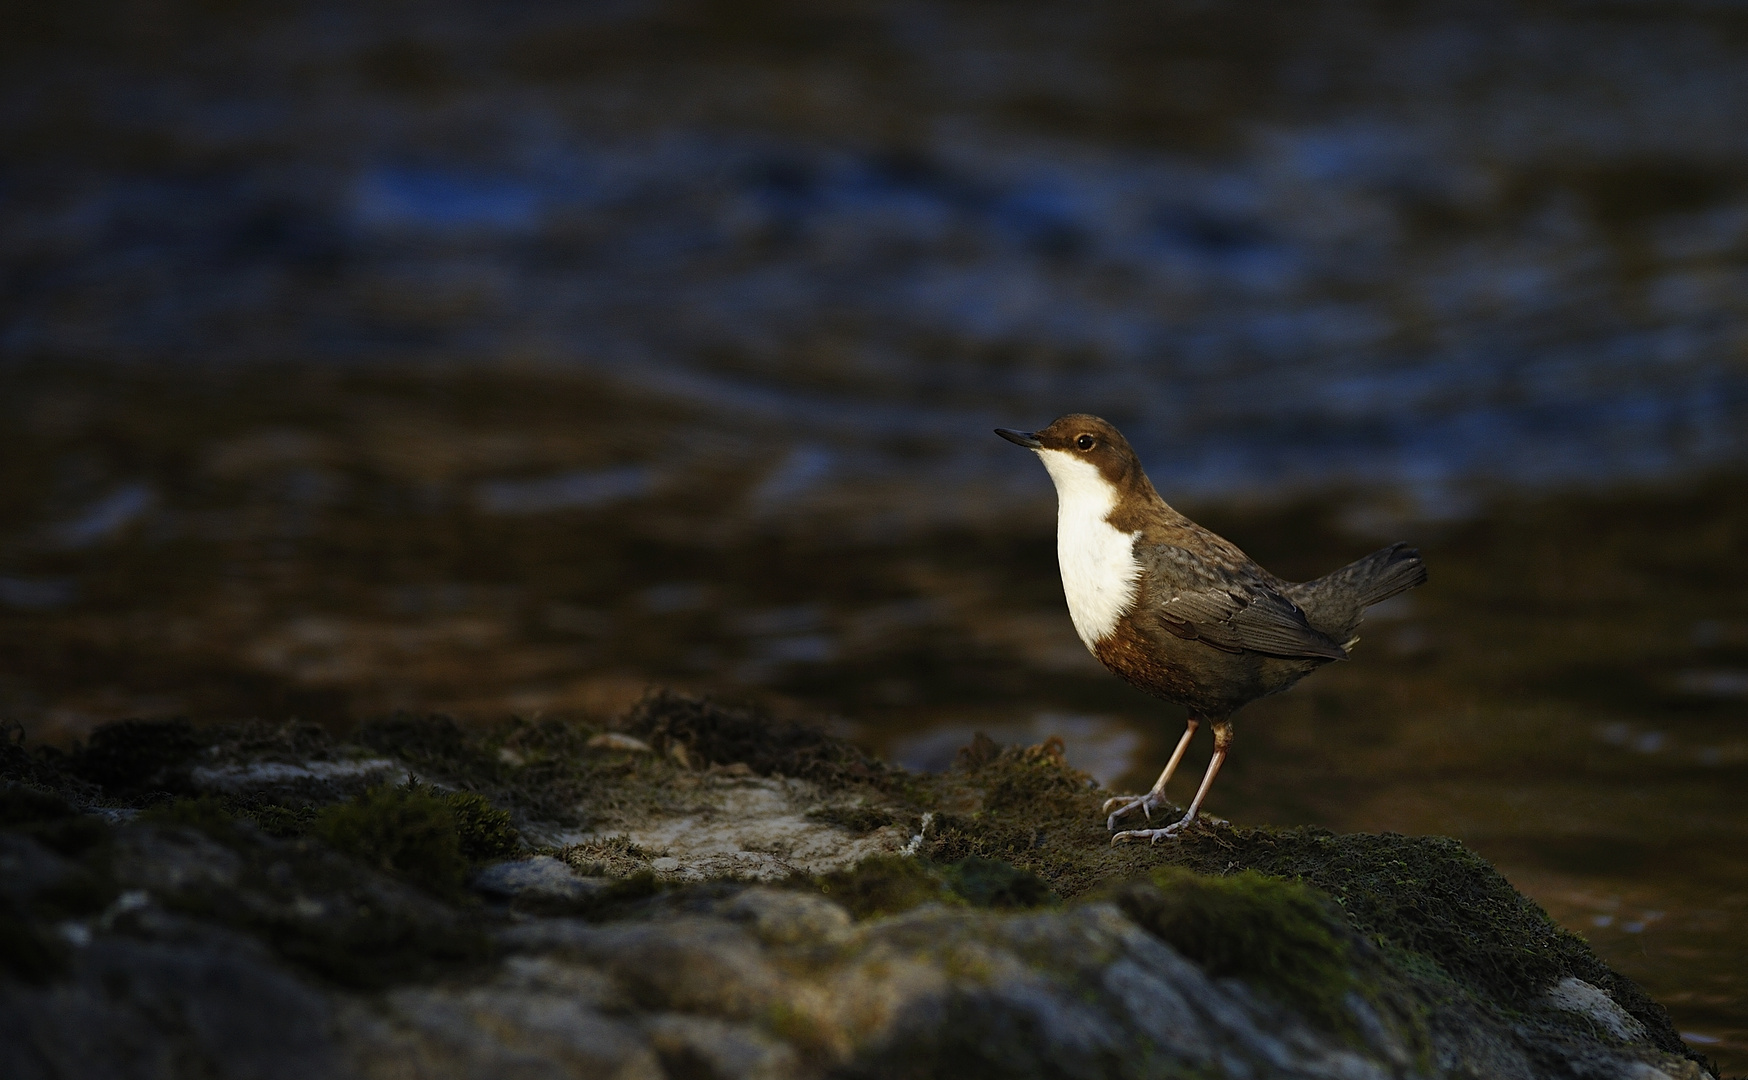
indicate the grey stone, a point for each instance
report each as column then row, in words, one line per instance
column 540, row 878
column 28, row 868
column 787, row 917
column 687, row 963
column 213, row 1006
column 1576, row 995
column 492, row 1033
column 315, row 781
column 689, row 1045
column 174, row 860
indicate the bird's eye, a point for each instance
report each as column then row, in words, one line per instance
column 1085, row 442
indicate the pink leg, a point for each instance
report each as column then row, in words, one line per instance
column 1155, row 797
column 1222, row 740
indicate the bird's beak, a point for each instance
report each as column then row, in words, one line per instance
column 1020, row 438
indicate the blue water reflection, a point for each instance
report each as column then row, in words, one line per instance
column 438, row 201
column 1263, row 321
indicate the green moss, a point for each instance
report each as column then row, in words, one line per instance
column 483, row 831
column 435, row 744
column 418, row 833
column 1034, row 811
column 282, row 821
column 206, row 813
column 220, row 816
column 711, row 733
column 556, row 773
column 991, row 883
column 1027, row 778
column 1428, row 895
column 885, row 885
column 1280, row 936
column 888, row 884
column 407, row 830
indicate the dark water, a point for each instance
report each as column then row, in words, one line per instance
column 507, row 359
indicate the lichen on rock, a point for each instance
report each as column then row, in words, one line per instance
column 715, row 895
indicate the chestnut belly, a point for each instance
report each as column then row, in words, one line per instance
column 1209, row 682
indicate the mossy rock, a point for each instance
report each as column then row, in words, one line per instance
column 73, row 837
column 21, row 804
column 44, row 769
column 991, row 883
column 857, row 818
column 406, row 830
column 710, row 733
column 1283, row 937
column 885, row 886
column 138, row 755
column 208, row 814
column 70, row 880
column 1439, row 908
column 1309, row 918
column 282, row 821
column 436, row 744
column 1433, row 898
column 374, row 948
column 220, row 816
column 321, row 906
column 483, row 831
column 889, row 884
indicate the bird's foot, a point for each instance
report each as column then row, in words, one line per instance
column 1153, row 836
column 1125, row 804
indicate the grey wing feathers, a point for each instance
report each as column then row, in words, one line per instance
column 1233, row 612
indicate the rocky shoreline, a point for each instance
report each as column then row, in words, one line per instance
column 701, row 892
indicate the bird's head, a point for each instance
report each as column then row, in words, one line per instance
column 1076, row 447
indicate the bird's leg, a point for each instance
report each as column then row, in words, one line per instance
column 1155, row 797
column 1222, row 740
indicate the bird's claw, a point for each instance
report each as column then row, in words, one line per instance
column 1127, row 803
column 1154, row 836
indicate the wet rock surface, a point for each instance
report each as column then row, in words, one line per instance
column 534, row 900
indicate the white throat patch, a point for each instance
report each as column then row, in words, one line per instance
column 1098, row 562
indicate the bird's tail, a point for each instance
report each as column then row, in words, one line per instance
column 1375, row 578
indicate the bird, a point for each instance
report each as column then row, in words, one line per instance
column 1179, row 611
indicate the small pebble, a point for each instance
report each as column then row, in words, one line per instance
column 613, row 740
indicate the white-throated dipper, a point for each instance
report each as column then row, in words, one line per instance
column 1180, row 612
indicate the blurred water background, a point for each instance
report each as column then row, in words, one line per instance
column 511, row 358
